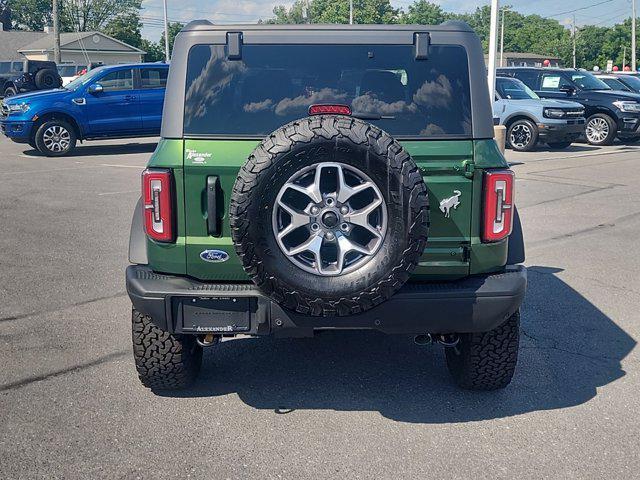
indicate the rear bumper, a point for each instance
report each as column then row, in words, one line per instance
column 475, row 304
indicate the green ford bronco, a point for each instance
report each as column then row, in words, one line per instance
column 326, row 177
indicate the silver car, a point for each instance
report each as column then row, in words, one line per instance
column 531, row 120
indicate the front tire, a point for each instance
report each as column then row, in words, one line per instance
column 487, row 360
column 164, row 361
column 10, row 92
column 55, row 138
column 522, row 135
column 600, row 129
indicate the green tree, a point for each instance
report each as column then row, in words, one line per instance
column 155, row 52
column 423, row 12
column 174, row 29
column 30, row 14
column 336, row 11
column 126, row 28
column 86, row 15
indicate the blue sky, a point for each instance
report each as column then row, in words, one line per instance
column 604, row 12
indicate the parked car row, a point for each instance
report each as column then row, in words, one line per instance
column 537, row 105
column 609, row 113
column 108, row 102
column 531, row 120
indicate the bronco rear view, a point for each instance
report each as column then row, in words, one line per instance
column 326, row 177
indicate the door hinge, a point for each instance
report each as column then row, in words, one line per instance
column 234, row 45
column 469, row 168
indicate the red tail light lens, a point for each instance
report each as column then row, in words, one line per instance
column 158, row 204
column 498, row 205
column 329, row 110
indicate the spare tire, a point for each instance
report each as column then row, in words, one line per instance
column 47, row 78
column 329, row 215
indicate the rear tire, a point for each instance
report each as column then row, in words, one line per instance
column 600, row 129
column 164, row 361
column 10, row 92
column 522, row 135
column 486, row 361
column 559, row 145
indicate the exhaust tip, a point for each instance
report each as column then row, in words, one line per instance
column 422, row 340
column 207, row 340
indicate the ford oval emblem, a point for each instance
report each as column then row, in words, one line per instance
column 214, row 256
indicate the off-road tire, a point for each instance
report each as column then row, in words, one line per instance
column 559, row 145
column 486, row 361
column 47, row 78
column 532, row 127
column 40, row 143
column 304, row 142
column 10, row 92
column 164, row 361
column 611, row 135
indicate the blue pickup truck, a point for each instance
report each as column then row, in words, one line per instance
column 115, row 101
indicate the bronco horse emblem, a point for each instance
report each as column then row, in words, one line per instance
column 448, row 203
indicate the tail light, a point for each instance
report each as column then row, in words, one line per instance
column 331, row 109
column 498, row 205
column 158, row 204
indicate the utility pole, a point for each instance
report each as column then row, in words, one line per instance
column 624, row 57
column 167, row 57
column 350, row 12
column 493, row 40
column 56, row 32
column 502, row 38
column 573, row 28
column 633, row 35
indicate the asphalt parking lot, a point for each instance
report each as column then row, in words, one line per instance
column 336, row 406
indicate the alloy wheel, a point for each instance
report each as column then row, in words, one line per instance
column 597, row 130
column 521, row 135
column 56, row 138
column 329, row 219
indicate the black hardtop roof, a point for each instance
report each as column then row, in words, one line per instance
column 206, row 25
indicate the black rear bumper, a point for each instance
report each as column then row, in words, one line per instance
column 184, row 305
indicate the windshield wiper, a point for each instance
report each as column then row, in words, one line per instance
column 372, row 116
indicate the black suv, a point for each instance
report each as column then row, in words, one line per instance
column 29, row 75
column 609, row 113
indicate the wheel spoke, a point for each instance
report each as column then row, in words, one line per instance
column 344, row 247
column 345, row 192
column 298, row 219
column 312, row 244
column 361, row 217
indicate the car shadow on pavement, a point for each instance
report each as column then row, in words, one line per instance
column 569, row 348
column 102, row 150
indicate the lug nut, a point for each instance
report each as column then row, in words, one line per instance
column 344, row 210
column 314, row 210
column 315, row 227
column 330, row 236
column 344, row 227
column 329, row 201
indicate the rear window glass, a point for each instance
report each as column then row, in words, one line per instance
column 272, row 85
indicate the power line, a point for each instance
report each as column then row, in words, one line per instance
column 579, row 9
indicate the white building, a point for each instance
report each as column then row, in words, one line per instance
column 78, row 48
